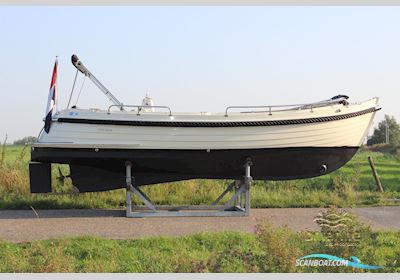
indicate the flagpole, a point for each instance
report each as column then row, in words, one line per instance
column 52, row 99
column 56, row 89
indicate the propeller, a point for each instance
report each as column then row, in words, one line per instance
column 61, row 178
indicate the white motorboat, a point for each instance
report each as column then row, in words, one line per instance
column 282, row 142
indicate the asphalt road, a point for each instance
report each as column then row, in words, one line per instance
column 25, row 225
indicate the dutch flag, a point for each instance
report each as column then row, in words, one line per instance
column 51, row 102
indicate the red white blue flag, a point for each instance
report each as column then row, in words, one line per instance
column 51, row 102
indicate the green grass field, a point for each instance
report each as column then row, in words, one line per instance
column 268, row 250
column 352, row 185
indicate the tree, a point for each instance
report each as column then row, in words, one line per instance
column 26, row 140
column 379, row 135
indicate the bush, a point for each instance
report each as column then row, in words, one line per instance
column 280, row 246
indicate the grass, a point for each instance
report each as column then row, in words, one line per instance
column 269, row 249
column 352, row 185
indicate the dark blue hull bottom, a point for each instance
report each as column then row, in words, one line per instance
column 104, row 169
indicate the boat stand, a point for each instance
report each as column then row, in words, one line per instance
column 238, row 205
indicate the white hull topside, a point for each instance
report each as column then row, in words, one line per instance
column 346, row 132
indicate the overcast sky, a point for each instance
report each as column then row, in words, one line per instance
column 197, row 58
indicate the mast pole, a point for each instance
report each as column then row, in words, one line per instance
column 79, row 65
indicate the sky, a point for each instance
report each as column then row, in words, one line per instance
column 196, row 58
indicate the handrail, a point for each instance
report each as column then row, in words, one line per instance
column 269, row 107
column 296, row 106
column 138, row 108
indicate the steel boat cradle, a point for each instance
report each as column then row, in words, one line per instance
column 129, row 146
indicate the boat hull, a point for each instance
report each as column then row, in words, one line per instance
column 104, row 169
column 282, row 145
column 99, row 130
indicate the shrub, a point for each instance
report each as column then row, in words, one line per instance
column 281, row 248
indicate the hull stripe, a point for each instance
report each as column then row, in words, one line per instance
column 218, row 124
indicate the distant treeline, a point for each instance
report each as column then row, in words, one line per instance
column 25, row 141
column 389, row 128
